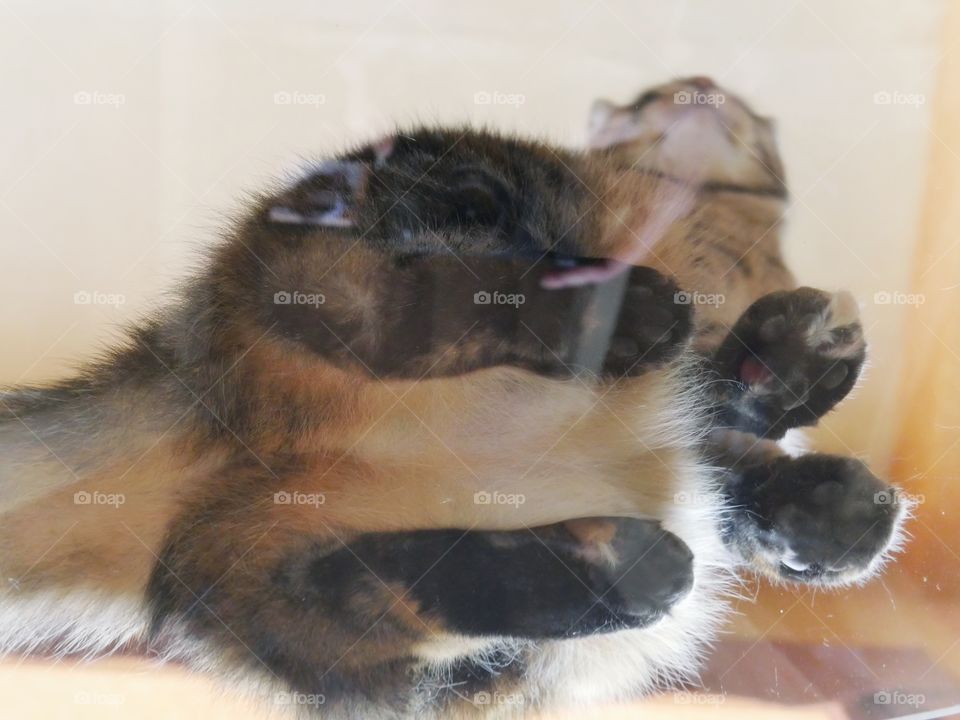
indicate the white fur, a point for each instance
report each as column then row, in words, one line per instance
column 67, row 622
column 623, row 664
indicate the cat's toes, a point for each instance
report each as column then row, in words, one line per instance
column 644, row 569
column 789, row 359
column 653, row 327
column 820, row 519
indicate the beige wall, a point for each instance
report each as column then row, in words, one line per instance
column 118, row 198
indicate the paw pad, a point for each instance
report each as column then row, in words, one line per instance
column 794, row 354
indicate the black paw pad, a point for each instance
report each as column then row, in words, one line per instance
column 646, row 572
column 653, row 325
column 818, row 518
column 791, row 357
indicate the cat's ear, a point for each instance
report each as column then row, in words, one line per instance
column 609, row 125
column 600, row 113
column 768, row 127
column 327, row 195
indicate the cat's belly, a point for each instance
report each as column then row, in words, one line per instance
column 518, row 451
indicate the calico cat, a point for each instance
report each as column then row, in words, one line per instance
column 360, row 462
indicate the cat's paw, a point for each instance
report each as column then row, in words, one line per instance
column 653, row 327
column 789, row 359
column 638, row 569
column 820, row 519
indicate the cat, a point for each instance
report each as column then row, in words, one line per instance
column 358, row 462
column 696, row 132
